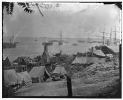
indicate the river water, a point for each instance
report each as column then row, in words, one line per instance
column 31, row 48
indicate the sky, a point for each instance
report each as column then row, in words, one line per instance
column 74, row 20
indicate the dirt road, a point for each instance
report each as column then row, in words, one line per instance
column 79, row 89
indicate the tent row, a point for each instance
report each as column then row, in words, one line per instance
column 11, row 77
column 37, row 74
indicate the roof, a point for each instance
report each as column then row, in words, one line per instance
column 60, row 70
column 11, row 77
column 37, row 71
column 114, row 48
column 80, row 60
column 99, row 53
column 107, row 50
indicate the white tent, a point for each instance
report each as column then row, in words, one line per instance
column 80, row 60
column 25, row 77
column 11, row 77
column 60, row 70
column 39, row 72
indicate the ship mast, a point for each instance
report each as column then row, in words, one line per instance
column 60, row 35
column 115, row 35
column 115, row 39
column 103, row 34
column 103, row 37
column 110, row 35
column 88, row 38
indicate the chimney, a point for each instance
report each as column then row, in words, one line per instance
column 45, row 48
column 45, row 54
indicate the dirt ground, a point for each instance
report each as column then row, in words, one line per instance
column 102, row 84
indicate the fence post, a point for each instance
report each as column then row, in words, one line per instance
column 69, row 86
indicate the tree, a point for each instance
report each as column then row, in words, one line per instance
column 9, row 6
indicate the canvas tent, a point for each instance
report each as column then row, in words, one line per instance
column 99, row 53
column 11, row 77
column 60, row 70
column 25, row 77
column 91, row 60
column 39, row 73
column 88, row 60
column 79, row 60
column 6, row 62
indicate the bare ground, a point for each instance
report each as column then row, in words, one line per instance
column 98, row 85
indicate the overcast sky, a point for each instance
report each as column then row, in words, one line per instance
column 75, row 20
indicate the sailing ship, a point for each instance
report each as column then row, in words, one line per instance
column 109, row 41
column 12, row 44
